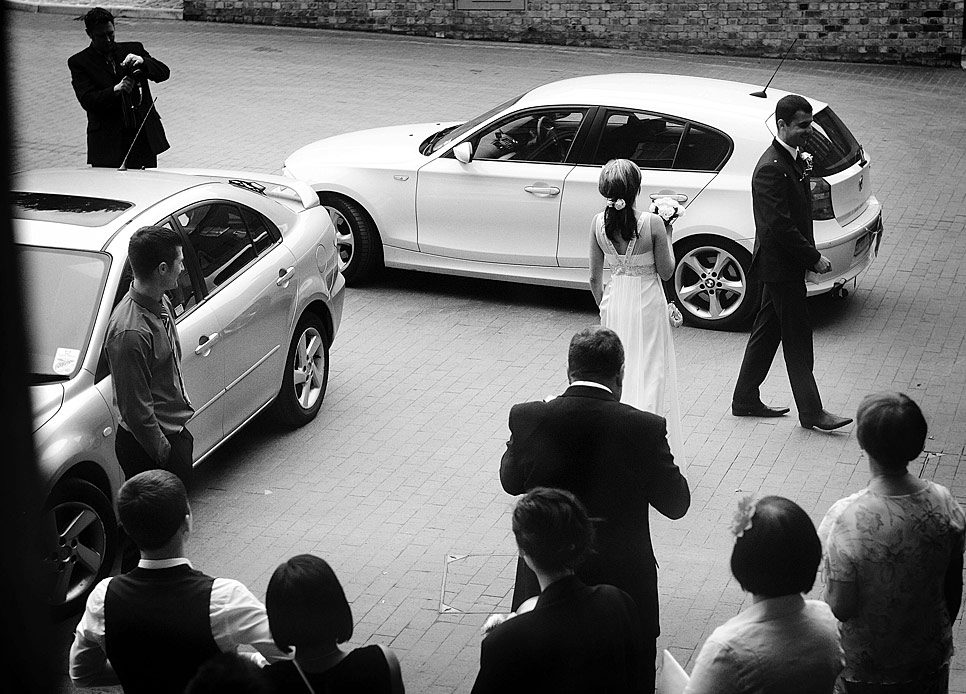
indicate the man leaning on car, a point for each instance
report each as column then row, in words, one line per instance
column 144, row 355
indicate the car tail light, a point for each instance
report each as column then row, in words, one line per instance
column 821, row 199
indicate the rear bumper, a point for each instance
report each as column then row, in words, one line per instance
column 854, row 255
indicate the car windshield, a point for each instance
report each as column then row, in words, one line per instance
column 444, row 138
column 66, row 209
column 62, row 293
column 832, row 144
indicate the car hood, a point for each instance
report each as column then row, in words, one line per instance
column 45, row 400
column 381, row 146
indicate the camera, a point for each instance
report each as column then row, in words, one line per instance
column 135, row 72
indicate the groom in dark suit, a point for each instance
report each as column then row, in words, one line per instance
column 110, row 81
column 784, row 251
column 613, row 458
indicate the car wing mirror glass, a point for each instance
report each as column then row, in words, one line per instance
column 463, row 152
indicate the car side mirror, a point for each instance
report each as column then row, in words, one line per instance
column 463, row 152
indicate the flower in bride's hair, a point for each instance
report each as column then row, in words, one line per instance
column 618, row 204
column 743, row 516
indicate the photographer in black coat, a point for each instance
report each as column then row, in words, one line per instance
column 111, row 83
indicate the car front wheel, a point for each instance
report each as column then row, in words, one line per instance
column 306, row 374
column 356, row 239
column 711, row 285
column 79, row 540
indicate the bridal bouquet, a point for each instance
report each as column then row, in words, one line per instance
column 667, row 209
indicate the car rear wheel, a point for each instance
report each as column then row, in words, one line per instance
column 711, row 285
column 79, row 539
column 306, row 374
column 356, row 238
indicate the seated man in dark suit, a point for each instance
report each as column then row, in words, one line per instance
column 577, row 638
column 151, row 629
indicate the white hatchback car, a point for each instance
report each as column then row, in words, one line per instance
column 510, row 194
column 258, row 305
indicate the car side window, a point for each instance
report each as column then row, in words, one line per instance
column 184, row 296
column 649, row 140
column 702, row 149
column 263, row 232
column 535, row 136
column 219, row 239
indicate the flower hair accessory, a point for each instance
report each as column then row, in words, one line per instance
column 618, row 204
column 743, row 516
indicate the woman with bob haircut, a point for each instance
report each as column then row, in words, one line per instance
column 576, row 638
column 894, row 560
column 308, row 611
column 782, row 643
column 637, row 247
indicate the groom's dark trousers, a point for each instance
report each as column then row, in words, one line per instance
column 616, row 460
column 784, row 251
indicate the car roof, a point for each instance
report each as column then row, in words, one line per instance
column 140, row 188
column 676, row 94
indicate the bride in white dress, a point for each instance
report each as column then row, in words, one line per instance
column 637, row 248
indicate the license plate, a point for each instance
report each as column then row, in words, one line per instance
column 863, row 244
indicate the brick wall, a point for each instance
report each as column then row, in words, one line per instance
column 928, row 33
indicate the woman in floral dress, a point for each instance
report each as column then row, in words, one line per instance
column 894, row 560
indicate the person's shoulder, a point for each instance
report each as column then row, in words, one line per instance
column 84, row 54
column 770, row 160
column 531, row 407
column 613, row 597
column 844, row 508
column 640, row 417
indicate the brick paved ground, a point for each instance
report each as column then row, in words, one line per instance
column 399, row 471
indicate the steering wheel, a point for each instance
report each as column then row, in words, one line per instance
column 545, row 130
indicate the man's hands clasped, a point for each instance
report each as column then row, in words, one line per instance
column 127, row 83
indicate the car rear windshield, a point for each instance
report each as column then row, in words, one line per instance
column 832, row 144
column 66, row 209
column 62, row 293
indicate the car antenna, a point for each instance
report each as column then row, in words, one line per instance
column 762, row 94
column 123, row 166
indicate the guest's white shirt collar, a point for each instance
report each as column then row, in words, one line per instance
column 163, row 563
column 592, row 384
column 791, row 150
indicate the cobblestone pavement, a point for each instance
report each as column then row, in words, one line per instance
column 396, row 481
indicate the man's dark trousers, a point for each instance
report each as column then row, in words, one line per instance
column 134, row 459
column 783, row 318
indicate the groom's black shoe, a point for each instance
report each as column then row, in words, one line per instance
column 823, row 420
column 759, row 410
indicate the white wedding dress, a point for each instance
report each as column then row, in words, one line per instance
column 634, row 306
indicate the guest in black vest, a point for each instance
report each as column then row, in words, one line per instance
column 151, row 629
column 578, row 638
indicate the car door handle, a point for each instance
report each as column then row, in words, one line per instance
column 284, row 276
column 205, row 343
column 542, row 191
column 680, row 197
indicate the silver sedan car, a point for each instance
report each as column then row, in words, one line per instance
column 258, row 306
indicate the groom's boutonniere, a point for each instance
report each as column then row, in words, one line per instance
column 806, row 162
